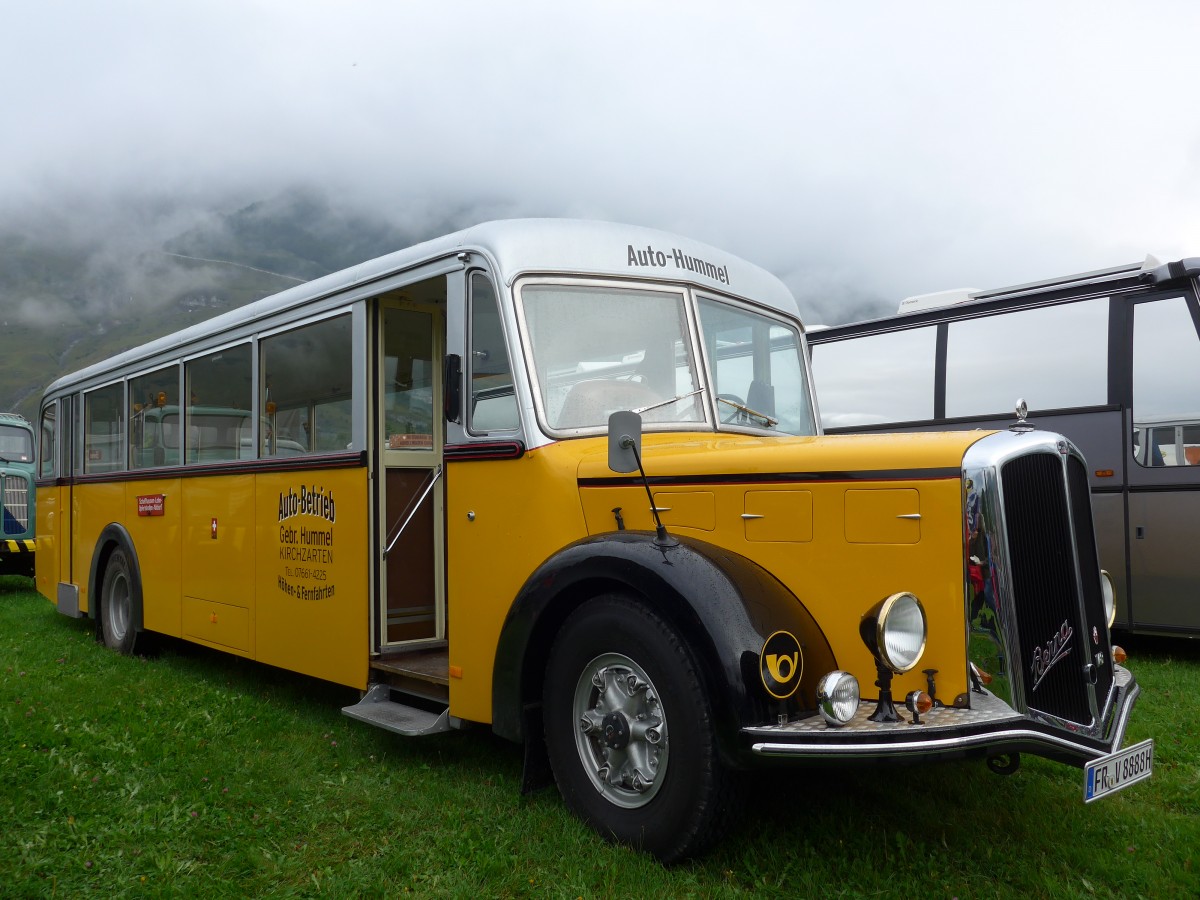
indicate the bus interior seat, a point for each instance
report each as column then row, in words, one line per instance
column 591, row 402
column 760, row 396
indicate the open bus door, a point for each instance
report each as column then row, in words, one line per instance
column 412, row 588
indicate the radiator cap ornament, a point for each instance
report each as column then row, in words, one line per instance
column 1022, row 413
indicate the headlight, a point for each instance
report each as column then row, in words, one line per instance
column 894, row 631
column 837, row 697
column 1109, row 592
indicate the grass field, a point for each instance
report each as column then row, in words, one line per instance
column 198, row 774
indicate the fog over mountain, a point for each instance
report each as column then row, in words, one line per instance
column 861, row 153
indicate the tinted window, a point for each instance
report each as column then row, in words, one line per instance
column 876, row 379
column 1053, row 357
column 1166, row 384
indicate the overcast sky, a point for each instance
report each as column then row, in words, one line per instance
column 863, row 152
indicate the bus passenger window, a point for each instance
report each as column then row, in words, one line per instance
column 154, row 419
column 218, row 411
column 102, row 439
column 493, row 402
column 1166, row 384
column 48, row 449
column 306, row 389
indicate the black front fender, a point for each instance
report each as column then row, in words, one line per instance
column 724, row 606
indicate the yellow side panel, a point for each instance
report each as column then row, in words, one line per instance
column 883, row 516
column 311, row 573
column 218, row 539
column 695, row 509
column 779, row 516
column 217, row 624
column 523, row 511
column 153, row 513
column 93, row 508
column 46, row 561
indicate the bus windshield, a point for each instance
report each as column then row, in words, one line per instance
column 16, row 444
column 596, row 349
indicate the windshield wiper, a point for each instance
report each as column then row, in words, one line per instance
column 767, row 420
column 642, row 409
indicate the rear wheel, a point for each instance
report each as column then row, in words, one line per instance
column 629, row 731
column 116, row 604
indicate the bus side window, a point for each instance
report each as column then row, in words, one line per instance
column 48, row 449
column 493, row 401
column 153, row 402
column 1166, row 384
column 219, row 393
column 306, row 386
column 102, row 437
column 877, row 379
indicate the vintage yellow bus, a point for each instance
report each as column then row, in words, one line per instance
column 566, row 480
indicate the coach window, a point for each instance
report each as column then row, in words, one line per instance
column 103, row 440
column 877, row 379
column 1166, row 384
column 218, row 425
column 154, row 419
column 493, row 404
column 48, row 445
column 1053, row 357
column 306, row 388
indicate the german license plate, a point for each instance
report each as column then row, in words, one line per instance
column 1117, row 771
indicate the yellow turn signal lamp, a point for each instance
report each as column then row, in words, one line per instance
column 1118, row 654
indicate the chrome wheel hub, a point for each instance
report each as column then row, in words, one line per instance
column 622, row 733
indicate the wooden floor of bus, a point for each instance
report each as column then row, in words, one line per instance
column 430, row 664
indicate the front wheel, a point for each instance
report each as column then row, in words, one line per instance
column 116, row 604
column 630, row 732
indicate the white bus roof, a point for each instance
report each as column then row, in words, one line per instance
column 512, row 248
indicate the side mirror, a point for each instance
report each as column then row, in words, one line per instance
column 624, row 441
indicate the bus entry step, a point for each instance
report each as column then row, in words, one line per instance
column 379, row 709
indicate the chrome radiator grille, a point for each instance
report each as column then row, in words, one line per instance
column 1051, row 631
column 16, row 504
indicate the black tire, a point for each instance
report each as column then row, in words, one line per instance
column 116, row 604
column 635, row 759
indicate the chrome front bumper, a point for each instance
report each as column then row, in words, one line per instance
column 991, row 727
